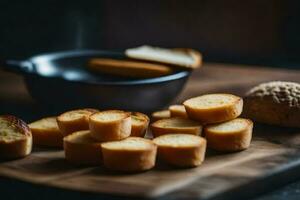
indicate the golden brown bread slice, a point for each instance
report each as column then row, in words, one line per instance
column 234, row 135
column 45, row 132
column 80, row 148
column 129, row 155
column 214, row 108
column 175, row 125
column 15, row 138
column 110, row 125
column 178, row 111
column 181, row 150
column 162, row 114
column 185, row 58
column 139, row 124
column 128, row 68
column 74, row 120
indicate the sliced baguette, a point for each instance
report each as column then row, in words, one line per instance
column 128, row 68
column 185, row 58
column 234, row 135
column 15, row 138
column 110, row 125
column 162, row 114
column 139, row 124
column 175, row 125
column 45, row 132
column 74, row 120
column 178, row 111
column 214, row 108
column 181, row 150
column 80, row 148
column 129, row 155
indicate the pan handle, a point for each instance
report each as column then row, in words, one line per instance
column 15, row 66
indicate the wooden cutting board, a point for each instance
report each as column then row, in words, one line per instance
column 274, row 155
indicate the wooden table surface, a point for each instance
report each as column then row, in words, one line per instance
column 275, row 153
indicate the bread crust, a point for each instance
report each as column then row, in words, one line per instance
column 128, row 68
column 231, row 140
column 182, row 156
column 82, row 153
column 110, row 130
column 16, row 148
column 178, row 111
column 139, row 130
column 158, row 130
column 130, row 160
column 217, row 114
column 67, row 127
column 274, row 103
column 162, row 114
column 51, row 137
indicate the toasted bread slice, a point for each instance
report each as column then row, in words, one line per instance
column 110, row 125
column 15, row 138
column 81, row 149
column 185, row 58
column 129, row 68
column 181, row 150
column 139, row 124
column 45, row 132
column 234, row 135
column 129, row 155
column 178, row 111
column 162, row 114
column 214, row 108
column 74, row 120
column 175, row 125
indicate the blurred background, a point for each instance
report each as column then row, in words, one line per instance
column 261, row 32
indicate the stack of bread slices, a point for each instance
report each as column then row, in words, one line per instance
column 216, row 113
column 119, row 140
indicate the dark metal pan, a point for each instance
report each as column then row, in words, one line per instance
column 61, row 81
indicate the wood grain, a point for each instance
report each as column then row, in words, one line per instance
column 274, row 150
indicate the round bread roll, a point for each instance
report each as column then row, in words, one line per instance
column 129, row 155
column 275, row 103
column 110, row 125
column 175, row 125
column 234, row 135
column 74, row 120
column 181, row 150
column 80, row 148
column 214, row 108
column 45, row 132
column 162, row 114
column 178, row 111
column 15, row 138
column 139, row 124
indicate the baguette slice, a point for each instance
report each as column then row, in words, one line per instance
column 178, row 111
column 175, row 125
column 214, row 108
column 185, row 58
column 162, row 114
column 45, row 132
column 15, row 138
column 110, row 125
column 74, row 120
column 80, row 148
column 181, row 150
column 234, row 135
column 128, row 68
column 139, row 124
column 129, row 155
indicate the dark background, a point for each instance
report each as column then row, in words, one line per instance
column 263, row 32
